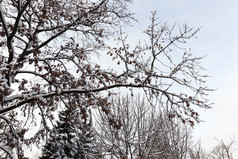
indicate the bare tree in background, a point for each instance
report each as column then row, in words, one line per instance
column 223, row 150
column 48, row 51
column 144, row 132
column 198, row 152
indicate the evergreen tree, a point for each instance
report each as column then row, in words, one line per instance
column 71, row 138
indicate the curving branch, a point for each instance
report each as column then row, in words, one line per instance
column 82, row 91
column 13, row 133
column 6, row 151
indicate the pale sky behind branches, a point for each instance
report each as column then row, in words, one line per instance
column 218, row 40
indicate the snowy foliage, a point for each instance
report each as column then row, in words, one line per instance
column 71, row 138
column 48, row 51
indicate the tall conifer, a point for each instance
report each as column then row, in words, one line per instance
column 71, row 138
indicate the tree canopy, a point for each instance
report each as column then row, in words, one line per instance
column 48, row 51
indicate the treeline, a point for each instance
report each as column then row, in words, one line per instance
column 133, row 129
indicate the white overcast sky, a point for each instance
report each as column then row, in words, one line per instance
column 218, row 40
